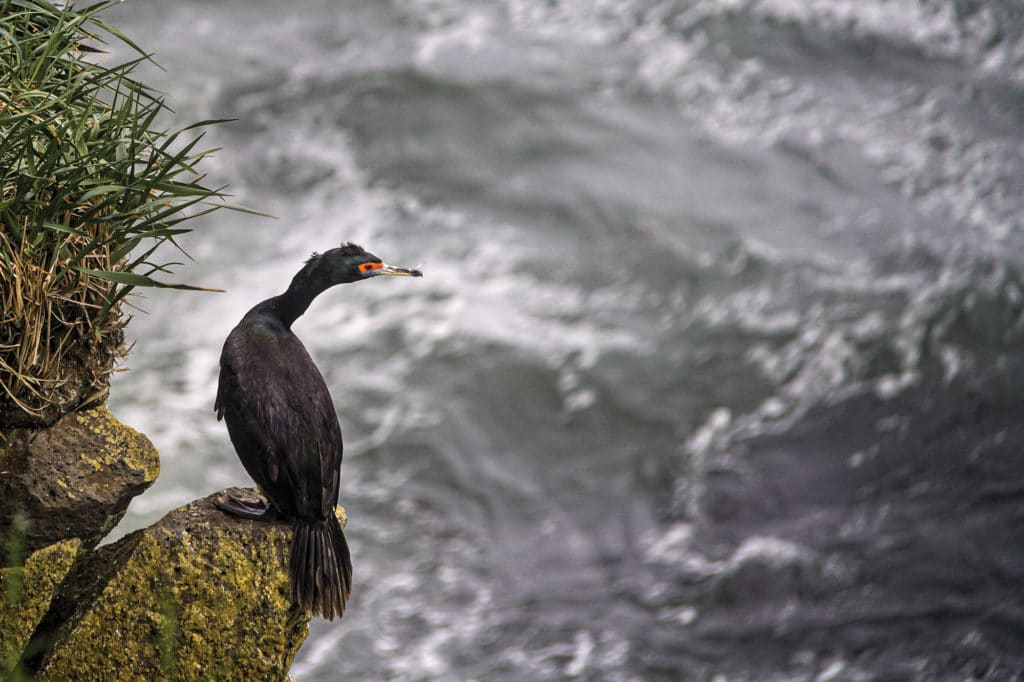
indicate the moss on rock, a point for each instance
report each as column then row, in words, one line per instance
column 73, row 479
column 199, row 595
column 27, row 593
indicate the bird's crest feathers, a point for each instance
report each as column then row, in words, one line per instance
column 346, row 249
column 351, row 249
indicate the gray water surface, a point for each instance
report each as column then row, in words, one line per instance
column 715, row 371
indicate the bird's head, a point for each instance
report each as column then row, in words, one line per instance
column 352, row 263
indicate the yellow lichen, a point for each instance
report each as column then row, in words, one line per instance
column 202, row 602
column 91, row 461
column 122, row 445
column 27, row 592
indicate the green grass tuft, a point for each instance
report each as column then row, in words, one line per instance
column 91, row 190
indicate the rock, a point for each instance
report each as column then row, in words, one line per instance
column 199, row 595
column 73, row 479
column 28, row 592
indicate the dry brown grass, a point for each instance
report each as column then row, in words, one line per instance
column 55, row 355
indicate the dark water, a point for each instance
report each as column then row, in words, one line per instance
column 716, row 371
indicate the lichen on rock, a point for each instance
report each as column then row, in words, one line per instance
column 27, row 593
column 73, row 479
column 199, row 595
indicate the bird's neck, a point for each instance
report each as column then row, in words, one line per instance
column 290, row 305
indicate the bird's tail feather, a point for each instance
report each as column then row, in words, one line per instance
column 320, row 567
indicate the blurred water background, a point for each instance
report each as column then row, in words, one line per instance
column 716, row 369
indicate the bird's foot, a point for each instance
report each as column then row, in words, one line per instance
column 243, row 509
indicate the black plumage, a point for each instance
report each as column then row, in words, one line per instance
column 282, row 423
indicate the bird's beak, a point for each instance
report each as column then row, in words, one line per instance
column 392, row 270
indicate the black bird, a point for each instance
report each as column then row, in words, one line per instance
column 282, row 422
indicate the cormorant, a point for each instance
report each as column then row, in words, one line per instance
column 282, row 422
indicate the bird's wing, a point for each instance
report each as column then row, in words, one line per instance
column 281, row 418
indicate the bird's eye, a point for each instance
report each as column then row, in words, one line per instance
column 367, row 267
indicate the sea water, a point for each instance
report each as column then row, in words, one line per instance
column 715, row 370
